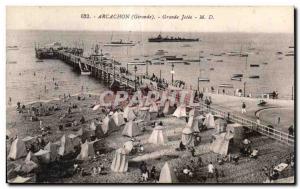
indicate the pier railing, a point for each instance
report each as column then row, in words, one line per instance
column 252, row 125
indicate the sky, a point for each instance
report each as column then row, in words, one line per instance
column 276, row 19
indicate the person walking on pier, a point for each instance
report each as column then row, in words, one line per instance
column 243, row 108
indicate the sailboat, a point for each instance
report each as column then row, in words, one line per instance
column 119, row 43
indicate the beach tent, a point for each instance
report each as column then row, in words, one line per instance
column 53, row 151
column 167, row 108
column 209, row 121
column 99, row 132
column 30, row 157
column 194, row 112
column 221, row 125
column 144, row 114
column 108, row 125
column 118, row 118
column 158, row 136
column 20, row 179
column 193, row 122
column 131, row 129
column 120, row 161
column 17, row 149
column 79, row 132
column 221, row 143
column 92, row 126
column 11, row 133
column 43, row 155
column 128, row 146
column 129, row 113
column 65, row 146
column 153, row 110
column 30, row 163
column 167, row 174
column 87, row 150
column 180, row 111
column 187, row 137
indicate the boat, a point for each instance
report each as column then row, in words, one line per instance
column 290, row 53
column 186, row 45
column 237, row 77
column 254, row 77
column 119, row 43
column 265, row 63
column 208, row 59
column 226, row 85
column 279, row 52
column 187, row 63
column 39, row 61
column 211, row 69
column 11, row 62
column 12, row 47
column 160, row 39
column 219, row 61
column 291, row 47
column 254, row 65
column 203, row 79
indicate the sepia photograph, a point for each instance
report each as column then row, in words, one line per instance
column 150, row 95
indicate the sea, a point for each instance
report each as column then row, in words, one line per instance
column 27, row 78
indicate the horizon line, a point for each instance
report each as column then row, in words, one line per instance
column 148, row 31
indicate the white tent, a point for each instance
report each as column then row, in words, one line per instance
column 180, row 111
column 221, row 144
column 166, row 108
column 17, row 149
column 193, row 123
column 43, row 155
column 153, row 107
column 129, row 113
column 87, row 150
column 92, row 126
column 187, row 137
column 167, row 174
column 65, row 146
column 20, row 179
column 79, row 132
column 158, row 136
column 120, row 161
column 209, row 121
column 118, row 118
column 108, row 125
column 144, row 114
column 128, row 146
column 131, row 129
column 11, row 133
column 30, row 157
column 53, row 151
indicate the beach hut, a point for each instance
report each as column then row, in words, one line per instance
column 221, row 125
column 166, row 108
column 108, row 125
column 209, row 121
column 131, row 129
column 118, row 118
column 120, row 161
column 43, row 155
column 65, row 146
column 153, row 110
column 87, row 150
column 187, row 137
column 128, row 146
column 167, row 174
column 11, row 133
column 30, row 157
column 193, row 122
column 53, row 151
column 79, row 132
column 129, row 114
column 92, row 126
column 221, row 143
column 180, row 111
column 144, row 114
column 17, row 149
column 158, row 136
column 99, row 132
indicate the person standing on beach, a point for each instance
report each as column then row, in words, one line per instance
column 243, row 108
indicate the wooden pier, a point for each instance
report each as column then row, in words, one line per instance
column 109, row 73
